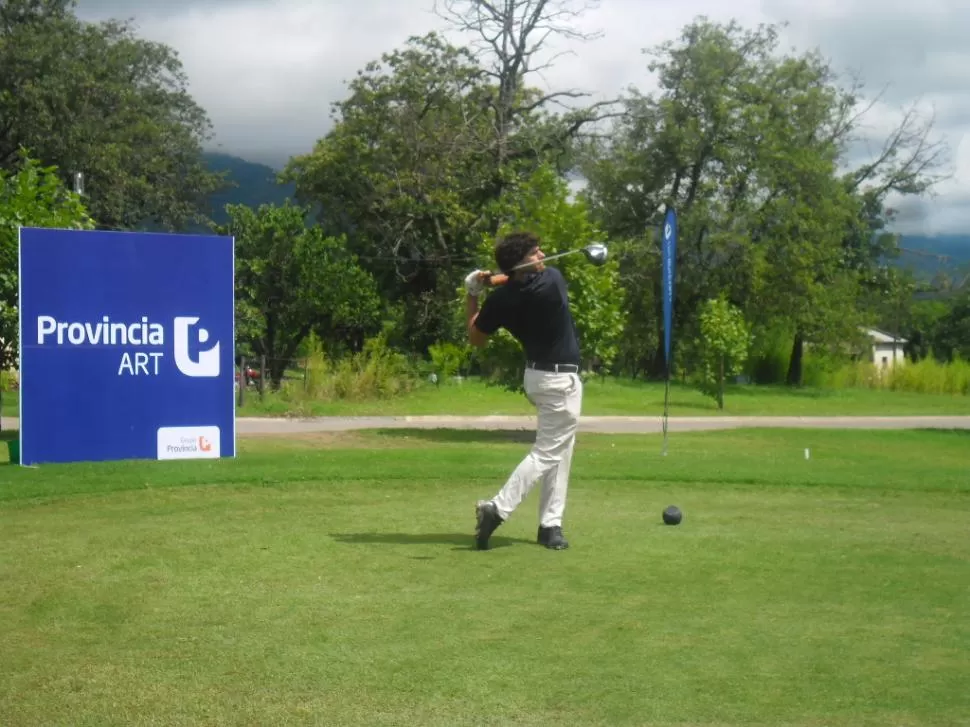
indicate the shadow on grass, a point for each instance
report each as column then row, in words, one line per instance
column 467, row 540
column 463, row 436
column 942, row 430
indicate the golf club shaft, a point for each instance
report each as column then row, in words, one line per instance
column 547, row 258
column 502, row 278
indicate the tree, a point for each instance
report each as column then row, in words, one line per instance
column 94, row 98
column 292, row 280
column 32, row 197
column 925, row 318
column 951, row 337
column 509, row 37
column 725, row 338
column 747, row 144
column 734, row 137
column 427, row 139
column 403, row 176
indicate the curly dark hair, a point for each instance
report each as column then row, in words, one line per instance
column 513, row 247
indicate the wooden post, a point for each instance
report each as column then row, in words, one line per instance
column 242, row 378
column 262, row 375
column 306, row 371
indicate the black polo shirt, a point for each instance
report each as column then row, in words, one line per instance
column 536, row 311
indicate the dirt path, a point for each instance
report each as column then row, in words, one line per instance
column 604, row 424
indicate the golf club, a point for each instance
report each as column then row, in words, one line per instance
column 595, row 253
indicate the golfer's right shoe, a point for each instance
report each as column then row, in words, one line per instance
column 487, row 520
column 552, row 538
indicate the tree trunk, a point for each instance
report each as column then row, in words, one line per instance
column 276, row 369
column 795, row 362
column 720, row 382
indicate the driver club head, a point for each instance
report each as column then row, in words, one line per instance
column 596, row 253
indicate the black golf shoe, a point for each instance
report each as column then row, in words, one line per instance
column 552, row 538
column 487, row 520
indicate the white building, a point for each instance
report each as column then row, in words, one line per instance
column 886, row 350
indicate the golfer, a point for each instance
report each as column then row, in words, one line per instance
column 533, row 305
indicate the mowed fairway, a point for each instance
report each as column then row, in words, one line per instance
column 330, row 580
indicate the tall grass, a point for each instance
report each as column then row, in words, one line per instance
column 376, row 372
column 927, row 376
column 931, row 377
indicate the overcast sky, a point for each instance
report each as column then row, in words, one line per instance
column 267, row 71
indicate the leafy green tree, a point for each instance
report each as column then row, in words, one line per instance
column 403, row 175
column 94, row 98
column 725, row 338
column 428, row 138
column 697, row 144
column 292, row 280
column 32, row 197
column 951, row 337
column 925, row 317
column 748, row 144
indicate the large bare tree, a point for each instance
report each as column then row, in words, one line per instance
column 513, row 41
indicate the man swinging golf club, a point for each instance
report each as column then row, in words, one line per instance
column 532, row 303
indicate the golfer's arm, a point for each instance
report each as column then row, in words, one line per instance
column 475, row 336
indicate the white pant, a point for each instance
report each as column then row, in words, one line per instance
column 558, row 399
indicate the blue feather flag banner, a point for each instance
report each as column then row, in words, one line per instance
column 668, row 271
column 668, row 266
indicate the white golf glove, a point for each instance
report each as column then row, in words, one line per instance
column 474, row 283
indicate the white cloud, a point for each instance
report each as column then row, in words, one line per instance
column 267, row 71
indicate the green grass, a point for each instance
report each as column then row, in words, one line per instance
column 611, row 397
column 618, row 397
column 328, row 579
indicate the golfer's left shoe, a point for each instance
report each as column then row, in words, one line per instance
column 487, row 520
column 552, row 538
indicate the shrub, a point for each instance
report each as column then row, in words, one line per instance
column 770, row 352
column 376, row 372
column 449, row 359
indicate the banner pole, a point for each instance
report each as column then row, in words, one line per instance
column 669, row 258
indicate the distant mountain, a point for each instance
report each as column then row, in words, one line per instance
column 254, row 184
column 928, row 257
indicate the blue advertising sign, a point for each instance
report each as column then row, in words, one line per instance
column 126, row 346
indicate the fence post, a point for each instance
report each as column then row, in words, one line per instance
column 306, row 370
column 242, row 378
column 262, row 375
